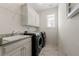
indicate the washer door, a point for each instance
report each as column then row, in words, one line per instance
column 40, row 42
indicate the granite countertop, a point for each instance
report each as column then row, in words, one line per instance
column 13, row 39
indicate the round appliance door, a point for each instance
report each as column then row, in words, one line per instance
column 40, row 42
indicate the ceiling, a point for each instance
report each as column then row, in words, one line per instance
column 37, row 6
column 10, row 6
column 43, row 6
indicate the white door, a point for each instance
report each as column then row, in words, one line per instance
column 49, row 25
column 51, row 29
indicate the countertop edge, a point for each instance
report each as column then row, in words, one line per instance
column 14, row 41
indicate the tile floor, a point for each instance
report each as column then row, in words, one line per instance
column 49, row 50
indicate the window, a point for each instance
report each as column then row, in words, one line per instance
column 51, row 21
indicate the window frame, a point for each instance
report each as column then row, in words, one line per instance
column 53, row 24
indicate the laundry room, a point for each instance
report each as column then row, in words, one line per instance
column 39, row 29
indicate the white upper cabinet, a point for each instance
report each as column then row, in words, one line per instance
column 29, row 16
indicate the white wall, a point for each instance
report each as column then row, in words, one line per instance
column 52, row 34
column 10, row 18
column 68, row 32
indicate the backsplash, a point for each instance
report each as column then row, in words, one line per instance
column 10, row 19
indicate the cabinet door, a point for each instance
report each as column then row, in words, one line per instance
column 16, row 52
column 31, row 16
column 24, row 14
column 28, row 49
column 37, row 20
column 34, row 18
column 20, row 48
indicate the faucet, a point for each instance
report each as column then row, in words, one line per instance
column 13, row 32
